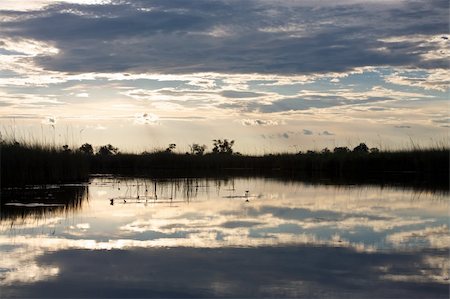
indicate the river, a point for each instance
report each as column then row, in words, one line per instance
column 232, row 237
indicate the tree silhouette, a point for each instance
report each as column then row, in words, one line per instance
column 341, row 149
column 107, row 150
column 361, row 148
column 374, row 150
column 222, row 146
column 326, row 151
column 86, row 149
column 197, row 149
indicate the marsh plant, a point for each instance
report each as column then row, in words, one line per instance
column 27, row 163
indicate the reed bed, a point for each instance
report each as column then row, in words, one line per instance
column 23, row 164
column 36, row 164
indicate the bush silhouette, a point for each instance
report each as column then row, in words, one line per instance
column 222, row 146
column 171, row 147
column 66, row 148
column 361, row 148
column 107, row 150
column 197, row 149
column 374, row 150
column 341, row 149
column 86, row 149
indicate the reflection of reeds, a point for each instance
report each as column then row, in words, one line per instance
column 156, row 190
column 41, row 202
column 177, row 190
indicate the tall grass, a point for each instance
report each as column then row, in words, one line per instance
column 433, row 159
column 414, row 166
column 35, row 164
column 23, row 164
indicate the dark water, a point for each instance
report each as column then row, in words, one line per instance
column 223, row 238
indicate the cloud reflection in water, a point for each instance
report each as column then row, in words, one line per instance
column 361, row 223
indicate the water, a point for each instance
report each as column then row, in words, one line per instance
column 223, row 238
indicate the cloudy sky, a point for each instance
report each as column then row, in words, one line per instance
column 273, row 75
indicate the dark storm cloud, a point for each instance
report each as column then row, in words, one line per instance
column 230, row 36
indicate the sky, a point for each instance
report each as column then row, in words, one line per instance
column 271, row 75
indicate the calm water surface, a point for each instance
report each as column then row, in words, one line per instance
column 223, row 238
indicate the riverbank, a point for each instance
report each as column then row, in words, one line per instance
column 35, row 164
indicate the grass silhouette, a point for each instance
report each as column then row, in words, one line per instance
column 24, row 163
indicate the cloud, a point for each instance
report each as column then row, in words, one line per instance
column 28, row 100
column 238, row 224
column 293, row 104
column 232, row 37
column 5, row 103
column 146, row 119
column 259, row 122
column 40, row 4
column 327, row 133
column 444, row 120
column 322, row 99
column 82, row 95
column 281, row 135
column 240, row 94
column 307, row 62
column 289, row 134
column 100, row 127
column 429, row 80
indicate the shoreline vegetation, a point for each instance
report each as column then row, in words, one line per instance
column 25, row 164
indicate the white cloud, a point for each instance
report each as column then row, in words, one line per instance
column 27, row 47
column 146, row 119
column 260, row 122
column 432, row 80
column 20, row 5
column 82, row 95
